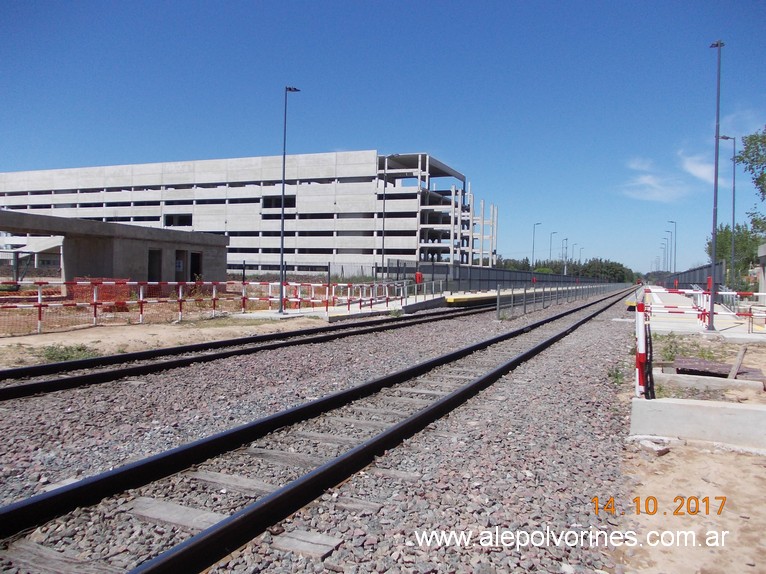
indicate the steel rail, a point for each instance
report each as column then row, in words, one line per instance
column 216, row 542
column 271, row 341
column 108, row 360
column 21, row 515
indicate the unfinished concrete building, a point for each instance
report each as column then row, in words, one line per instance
column 357, row 207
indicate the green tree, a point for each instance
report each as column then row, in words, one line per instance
column 746, row 242
column 608, row 270
column 513, row 264
column 753, row 159
column 757, row 221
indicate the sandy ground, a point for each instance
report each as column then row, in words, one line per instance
column 109, row 340
column 687, row 471
column 725, row 543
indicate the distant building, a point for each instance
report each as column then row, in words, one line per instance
column 355, row 207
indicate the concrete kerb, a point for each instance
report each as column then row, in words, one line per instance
column 735, row 424
column 674, row 441
column 704, row 383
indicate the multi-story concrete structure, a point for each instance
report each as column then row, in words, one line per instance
column 357, row 207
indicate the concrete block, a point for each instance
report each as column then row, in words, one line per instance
column 434, row 303
column 735, row 424
column 704, row 383
column 654, row 448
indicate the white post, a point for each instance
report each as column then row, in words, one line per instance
column 141, row 304
column 95, row 305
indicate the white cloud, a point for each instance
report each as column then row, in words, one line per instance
column 740, row 123
column 650, row 186
column 640, row 164
column 698, row 166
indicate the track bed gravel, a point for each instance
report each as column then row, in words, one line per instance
column 529, row 453
column 81, row 432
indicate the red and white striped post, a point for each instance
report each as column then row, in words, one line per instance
column 640, row 350
column 39, row 308
column 180, row 302
column 141, row 303
column 95, row 304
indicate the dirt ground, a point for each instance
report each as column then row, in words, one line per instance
column 698, row 470
column 725, row 543
column 112, row 340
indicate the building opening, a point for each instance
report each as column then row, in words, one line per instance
column 154, row 272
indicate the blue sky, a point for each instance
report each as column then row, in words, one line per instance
column 596, row 119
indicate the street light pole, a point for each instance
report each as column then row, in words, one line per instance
column 717, row 45
column 564, row 252
column 532, row 267
column 670, row 251
column 573, row 251
column 282, row 274
column 550, row 246
column 733, row 188
column 675, row 246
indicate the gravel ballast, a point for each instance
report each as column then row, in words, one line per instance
column 81, row 432
column 527, row 454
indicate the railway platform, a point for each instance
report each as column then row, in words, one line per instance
column 341, row 312
column 671, row 312
column 535, row 297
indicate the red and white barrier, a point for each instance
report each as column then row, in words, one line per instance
column 110, row 300
column 640, row 349
column 700, row 306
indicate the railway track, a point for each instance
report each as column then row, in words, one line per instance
column 283, row 462
column 26, row 381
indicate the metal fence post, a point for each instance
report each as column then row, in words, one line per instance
column 498, row 302
column 525, row 300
